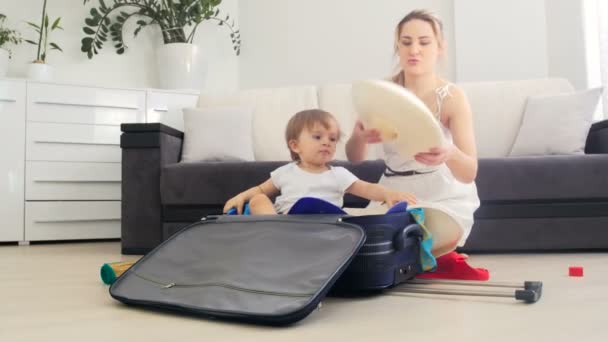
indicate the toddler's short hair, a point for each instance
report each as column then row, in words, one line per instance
column 307, row 119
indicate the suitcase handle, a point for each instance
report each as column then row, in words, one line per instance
column 405, row 234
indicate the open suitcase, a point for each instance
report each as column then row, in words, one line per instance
column 272, row 269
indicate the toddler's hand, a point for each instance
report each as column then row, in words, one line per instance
column 235, row 202
column 393, row 197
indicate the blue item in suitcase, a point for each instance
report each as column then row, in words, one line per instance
column 246, row 211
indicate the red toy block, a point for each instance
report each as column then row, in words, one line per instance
column 575, row 271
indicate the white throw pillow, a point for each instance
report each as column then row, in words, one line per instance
column 272, row 109
column 217, row 134
column 556, row 124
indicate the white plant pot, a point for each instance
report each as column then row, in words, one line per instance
column 181, row 66
column 3, row 62
column 40, row 72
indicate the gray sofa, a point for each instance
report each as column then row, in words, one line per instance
column 548, row 203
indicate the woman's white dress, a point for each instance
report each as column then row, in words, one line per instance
column 436, row 187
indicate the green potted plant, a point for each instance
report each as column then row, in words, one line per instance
column 7, row 36
column 178, row 58
column 38, row 69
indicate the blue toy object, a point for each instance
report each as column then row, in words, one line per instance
column 313, row 205
column 398, row 208
column 233, row 211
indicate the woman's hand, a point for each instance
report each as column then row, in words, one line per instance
column 370, row 136
column 235, row 202
column 435, row 156
column 393, row 197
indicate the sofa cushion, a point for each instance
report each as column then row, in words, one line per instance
column 213, row 183
column 546, row 178
column 217, row 134
column 498, row 109
column 556, row 124
column 272, row 109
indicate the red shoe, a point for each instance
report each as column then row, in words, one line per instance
column 454, row 266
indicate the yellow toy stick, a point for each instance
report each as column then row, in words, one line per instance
column 110, row 271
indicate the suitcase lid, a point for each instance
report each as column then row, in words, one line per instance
column 259, row 269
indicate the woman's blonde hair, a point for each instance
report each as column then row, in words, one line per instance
column 425, row 16
column 307, row 119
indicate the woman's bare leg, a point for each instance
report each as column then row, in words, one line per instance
column 261, row 205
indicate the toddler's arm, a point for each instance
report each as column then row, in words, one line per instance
column 377, row 192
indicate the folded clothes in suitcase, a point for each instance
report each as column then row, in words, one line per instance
column 271, row 269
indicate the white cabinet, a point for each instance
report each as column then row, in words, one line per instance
column 166, row 107
column 60, row 165
column 12, row 138
column 72, row 153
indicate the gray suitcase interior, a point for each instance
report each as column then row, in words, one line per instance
column 262, row 269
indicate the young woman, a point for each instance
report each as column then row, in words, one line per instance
column 443, row 177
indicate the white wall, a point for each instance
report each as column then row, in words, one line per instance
column 500, row 40
column 135, row 68
column 287, row 42
column 566, row 41
column 318, row 41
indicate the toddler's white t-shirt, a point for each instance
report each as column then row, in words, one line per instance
column 295, row 183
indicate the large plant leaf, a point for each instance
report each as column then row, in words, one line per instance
column 92, row 21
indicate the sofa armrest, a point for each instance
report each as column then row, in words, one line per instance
column 146, row 148
column 597, row 140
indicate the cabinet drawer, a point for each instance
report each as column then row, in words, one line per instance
column 166, row 107
column 72, row 181
column 72, row 220
column 72, row 142
column 88, row 105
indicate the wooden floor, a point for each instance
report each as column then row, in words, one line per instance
column 54, row 293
